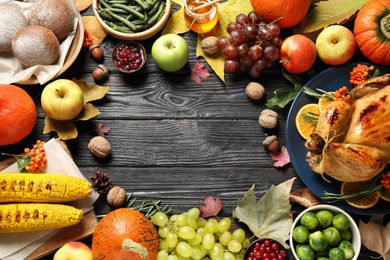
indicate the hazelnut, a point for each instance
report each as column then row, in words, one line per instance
column 268, row 118
column 210, row 45
column 271, row 143
column 116, row 196
column 96, row 52
column 255, row 90
column 100, row 73
column 99, row 146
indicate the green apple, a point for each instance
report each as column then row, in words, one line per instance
column 170, row 52
column 335, row 45
column 62, row 99
column 74, row 250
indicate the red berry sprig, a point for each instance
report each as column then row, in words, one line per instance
column 35, row 158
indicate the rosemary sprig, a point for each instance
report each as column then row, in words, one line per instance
column 337, row 197
column 318, row 93
column 311, row 117
column 148, row 207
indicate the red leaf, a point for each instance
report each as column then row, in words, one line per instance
column 198, row 72
column 211, row 207
column 282, row 158
column 101, row 129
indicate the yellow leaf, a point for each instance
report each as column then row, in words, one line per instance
column 329, row 12
column 92, row 92
column 89, row 111
column 227, row 13
column 93, row 27
column 83, row 4
column 65, row 129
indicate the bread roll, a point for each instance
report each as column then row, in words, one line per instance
column 53, row 14
column 35, row 45
column 11, row 20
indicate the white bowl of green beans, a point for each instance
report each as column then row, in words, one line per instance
column 132, row 19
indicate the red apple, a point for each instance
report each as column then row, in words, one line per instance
column 297, row 54
column 336, row 44
column 74, row 251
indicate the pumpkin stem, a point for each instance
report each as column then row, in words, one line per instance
column 385, row 26
column 129, row 245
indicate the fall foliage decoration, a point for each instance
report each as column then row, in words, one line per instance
column 18, row 114
column 125, row 234
column 66, row 129
column 375, row 235
column 371, row 31
column 269, row 217
column 286, row 13
column 281, row 158
column 198, row 72
column 211, row 207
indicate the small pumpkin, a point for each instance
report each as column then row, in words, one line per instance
column 125, row 234
column 372, row 31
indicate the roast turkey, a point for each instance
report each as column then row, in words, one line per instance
column 352, row 139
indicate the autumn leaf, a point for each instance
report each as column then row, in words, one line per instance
column 198, row 72
column 325, row 13
column 228, row 11
column 270, row 216
column 66, row 130
column 305, row 197
column 282, row 158
column 211, row 207
column 94, row 29
column 101, row 129
column 375, row 235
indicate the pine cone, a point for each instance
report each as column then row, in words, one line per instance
column 100, row 182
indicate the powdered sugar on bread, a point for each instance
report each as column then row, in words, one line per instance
column 11, row 20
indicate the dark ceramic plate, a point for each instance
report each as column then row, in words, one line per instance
column 328, row 80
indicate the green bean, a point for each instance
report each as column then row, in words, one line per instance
column 157, row 16
column 123, row 20
column 153, row 10
column 130, row 10
column 144, row 5
column 105, row 16
column 118, row 28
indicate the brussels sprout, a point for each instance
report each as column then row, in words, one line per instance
column 300, row 234
column 324, row 253
column 336, row 254
column 305, row 252
column 317, row 241
column 322, row 258
column 341, row 221
column 348, row 249
column 325, row 218
column 346, row 234
column 332, row 235
column 309, row 220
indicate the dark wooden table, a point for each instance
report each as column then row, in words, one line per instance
column 175, row 140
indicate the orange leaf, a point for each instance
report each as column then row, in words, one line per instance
column 83, row 4
column 93, row 27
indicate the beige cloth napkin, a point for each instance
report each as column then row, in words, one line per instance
column 17, row 246
column 12, row 71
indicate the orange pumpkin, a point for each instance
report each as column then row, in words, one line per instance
column 372, row 31
column 125, row 234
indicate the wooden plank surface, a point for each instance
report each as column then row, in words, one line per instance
column 175, row 140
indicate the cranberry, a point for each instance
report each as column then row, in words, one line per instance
column 128, row 57
column 267, row 250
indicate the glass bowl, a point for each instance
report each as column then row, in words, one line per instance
column 128, row 56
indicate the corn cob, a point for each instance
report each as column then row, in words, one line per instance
column 32, row 187
column 25, row 217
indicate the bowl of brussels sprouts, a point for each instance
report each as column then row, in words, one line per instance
column 325, row 232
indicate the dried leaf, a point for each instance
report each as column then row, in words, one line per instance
column 83, row 4
column 270, row 216
column 198, row 72
column 211, row 207
column 230, row 9
column 375, row 235
column 95, row 30
column 66, row 129
column 282, row 158
column 305, row 197
column 329, row 12
column 101, row 129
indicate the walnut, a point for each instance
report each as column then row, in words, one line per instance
column 268, row 118
column 116, row 196
column 99, row 146
column 255, row 90
column 210, row 45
